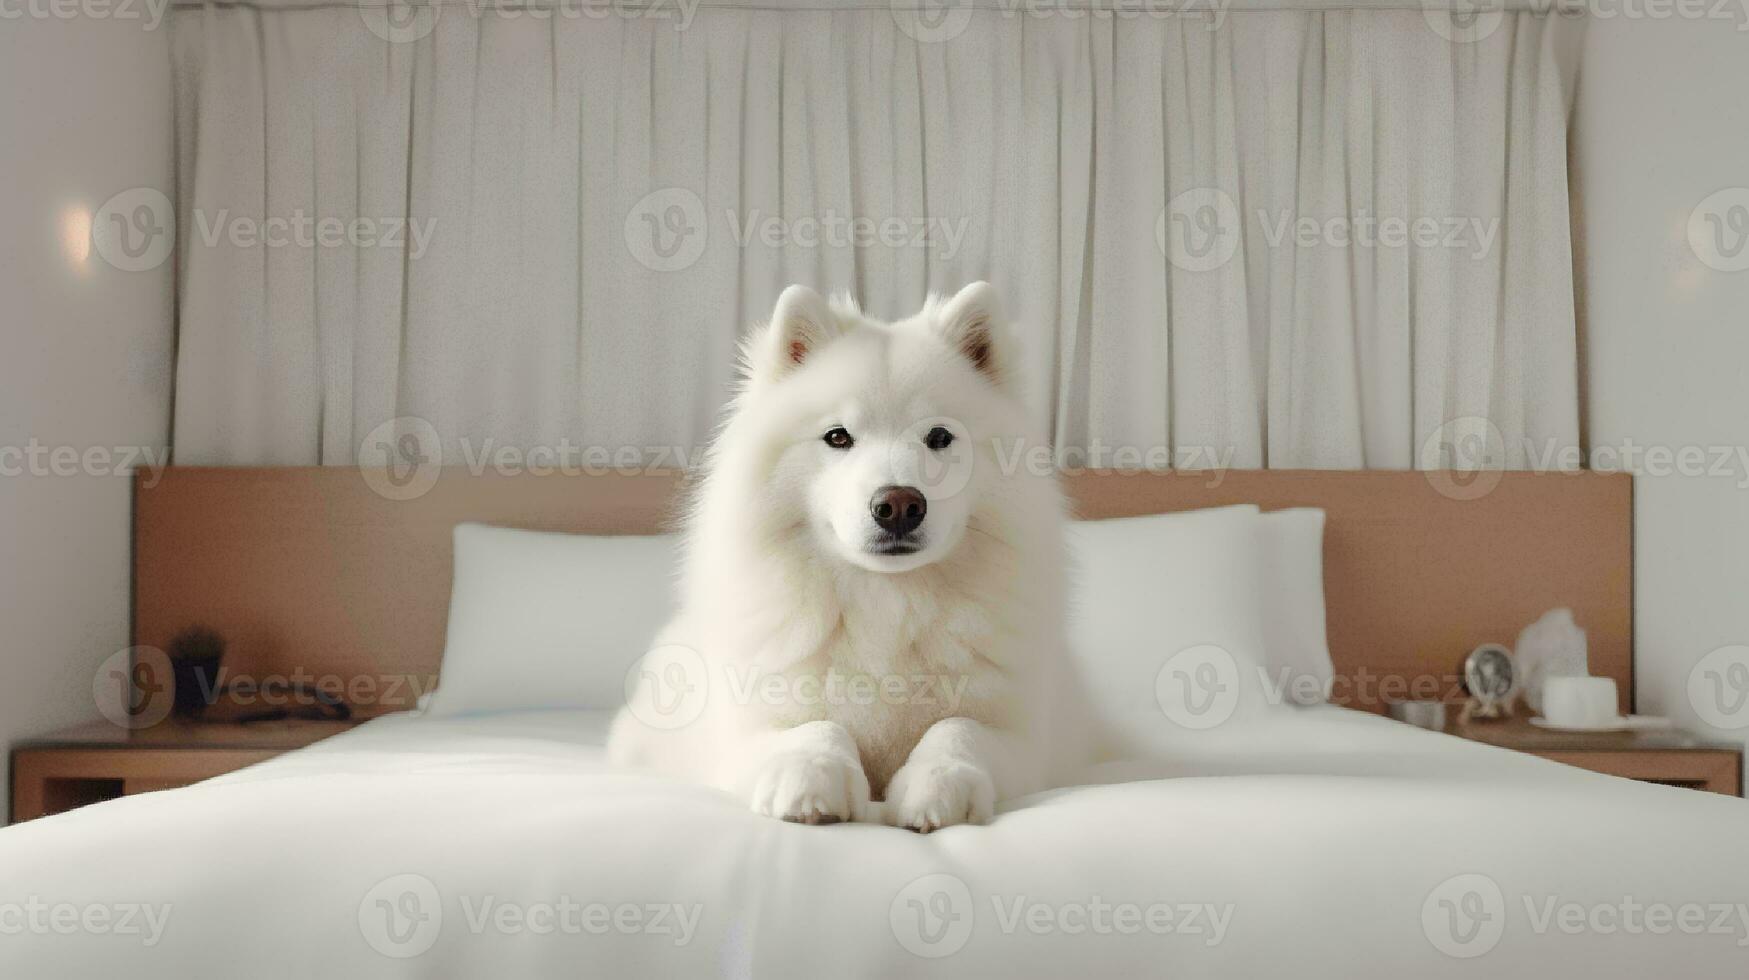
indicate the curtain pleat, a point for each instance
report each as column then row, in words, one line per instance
column 554, row 229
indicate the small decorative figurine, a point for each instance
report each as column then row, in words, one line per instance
column 1491, row 679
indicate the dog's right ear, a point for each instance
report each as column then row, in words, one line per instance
column 802, row 323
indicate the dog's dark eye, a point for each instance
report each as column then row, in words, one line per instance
column 938, row 439
column 838, row 438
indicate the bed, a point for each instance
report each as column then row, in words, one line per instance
column 1323, row 843
column 1314, row 841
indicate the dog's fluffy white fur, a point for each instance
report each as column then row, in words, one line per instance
column 844, row 661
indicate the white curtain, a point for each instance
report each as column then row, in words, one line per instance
column 1194, row 220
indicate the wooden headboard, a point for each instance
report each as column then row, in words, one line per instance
column 309, row 571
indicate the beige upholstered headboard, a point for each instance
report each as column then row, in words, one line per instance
column 311, row 571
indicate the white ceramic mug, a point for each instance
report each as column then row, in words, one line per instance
column 1579, row 702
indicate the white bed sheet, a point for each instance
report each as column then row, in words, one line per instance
column 1319, row 843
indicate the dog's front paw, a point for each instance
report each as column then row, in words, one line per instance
column 811, row 788
column 926, row 796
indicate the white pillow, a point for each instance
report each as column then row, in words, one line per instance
column 1165, row 622
column 1299, row 669
column 546, row 620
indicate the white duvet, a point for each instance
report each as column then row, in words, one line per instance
column 1318, row 843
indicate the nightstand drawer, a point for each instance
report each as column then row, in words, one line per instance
column 1670, row 756
column 1715, row 772
column 101, row 762
column 48, row 781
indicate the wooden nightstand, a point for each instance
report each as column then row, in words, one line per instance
column 99, row 761
column 1670, row 756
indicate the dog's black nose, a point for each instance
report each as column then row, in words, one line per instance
column 898, row 510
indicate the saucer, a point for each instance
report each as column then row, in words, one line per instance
column 1622, row 723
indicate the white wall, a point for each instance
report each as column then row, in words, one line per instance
column 85, row 112
column 1662, row 122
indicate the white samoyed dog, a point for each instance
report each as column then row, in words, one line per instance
column 872, row 601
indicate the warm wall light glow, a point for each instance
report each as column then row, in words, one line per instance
column 76, row 235
column 1688, row 278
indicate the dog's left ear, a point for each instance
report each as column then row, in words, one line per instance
column 971, row 323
